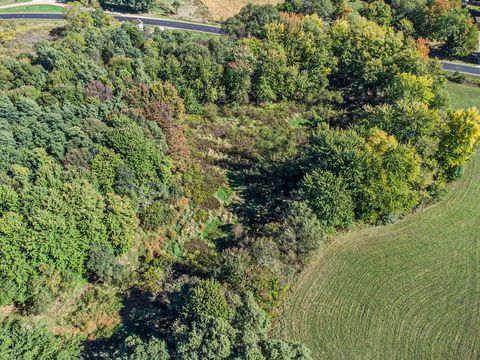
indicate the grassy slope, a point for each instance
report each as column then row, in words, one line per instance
column 463, row 96
column 410, row 290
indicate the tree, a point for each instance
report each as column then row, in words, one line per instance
column 251, row 21
column 411, row 88
column 105, row 165
column 411, row 123
column 207, row 338
column 341, row 152
column 134, row 348
column 20, row 340
column 301, row 233
column 328, row 197
column 378, row 12
column 132, row 5
column 324, row 8
column 121, row 222
column 394, row 177
column 408, row 7
column 103, row 264
column 282, row 350
column 458, row 32
column 369, row 56
column 206, row 299
column 459, row 134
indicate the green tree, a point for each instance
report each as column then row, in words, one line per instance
column 206, row 299
column 104, row 166
column 282, row 350
column 458, row 32
column 378, row 12
column 103, row 264
column 131, row 5
column 459, row 135
column 369, row 56
column 394, row 177
column 301, row 232
column 328, row 197
column 408, row 7
column 205, row 338
column 134, row 348
column 251, row 21
column 121, row 222
column 20, row 340
column 324, row 8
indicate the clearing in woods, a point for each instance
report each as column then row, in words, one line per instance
column 410, row 290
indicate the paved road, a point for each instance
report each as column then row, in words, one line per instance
column 465, row 69
column 147, row 21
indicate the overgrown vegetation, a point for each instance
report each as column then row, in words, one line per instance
column 159, row 191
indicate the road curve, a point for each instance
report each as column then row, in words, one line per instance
column 180, row 25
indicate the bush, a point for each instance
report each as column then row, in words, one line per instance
column 103, row 264
column 206, row 299
column 156, row 215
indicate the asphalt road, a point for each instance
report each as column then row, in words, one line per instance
column 465, row 69
column 180, row 25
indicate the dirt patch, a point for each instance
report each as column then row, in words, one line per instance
column 6, row 310
column 223, row 9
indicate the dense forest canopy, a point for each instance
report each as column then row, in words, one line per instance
column 158, row 192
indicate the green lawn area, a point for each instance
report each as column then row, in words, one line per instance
column 410, row 290
column 463, row 96
column 33, row 9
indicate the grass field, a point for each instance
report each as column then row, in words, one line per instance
column 33, row 9
column 410, row 290
column 463, row 96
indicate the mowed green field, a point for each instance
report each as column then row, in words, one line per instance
column 463, row 96
column 410, row 290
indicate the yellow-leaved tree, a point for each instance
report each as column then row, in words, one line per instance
column 460, row 133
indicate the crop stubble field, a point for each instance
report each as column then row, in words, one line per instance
column 410, row 290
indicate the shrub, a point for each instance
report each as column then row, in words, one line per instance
column 103, row 264
column 206, row 299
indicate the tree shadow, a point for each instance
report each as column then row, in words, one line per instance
column 262, row 186
column 140, row 315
